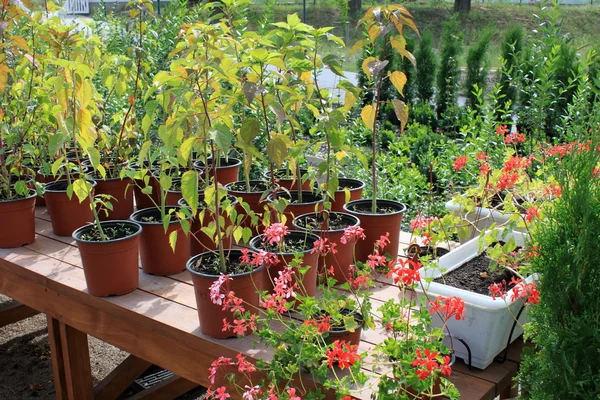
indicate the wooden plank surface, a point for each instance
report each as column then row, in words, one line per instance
column 158, row 322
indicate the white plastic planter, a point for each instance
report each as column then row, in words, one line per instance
column 487, row 322
column 481, row 217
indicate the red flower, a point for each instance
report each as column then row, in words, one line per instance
column 481, row 156
column 264, row 258
column 484, row 169
column 514, row 138
column 448, row 307
column 507, row 180
column 498, row 289
column 501, row 130
column 527, row 292
column 446, row 368
column 460, row 162
column 375, row 260
column 342, row 353
column 532, row 212
column 323, row 325
column 404, row 270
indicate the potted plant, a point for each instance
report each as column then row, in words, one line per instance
column 339, row 228
column 378, row 215
column 109, row 253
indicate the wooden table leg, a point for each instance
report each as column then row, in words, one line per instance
column 120, row 378
column 70, row 362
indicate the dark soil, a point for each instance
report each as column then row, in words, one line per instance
column 335, row 222
column 255, row 187
column 11, row 195
column 339, row 325
column 287, row 174
column 476, row 276
column 291, row 245
column 117, row 231
column 307, row 197
column 366, row 209
column 433, row 252
column 210, row 265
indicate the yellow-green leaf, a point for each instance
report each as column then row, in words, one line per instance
column 368, row 116
column 173, row 240
column 398, row 79
column 365, row 66
column 401, row 111
column 189, row 189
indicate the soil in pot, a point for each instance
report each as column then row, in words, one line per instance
column 295, row 242
column 354, row 187
column 17, row 221
column 205, row 270
column 110, row 266
column 121, row 201
column 158, row 258
column 200, row 242
column 427, row 251
column 66, row 214
column 311, row 202
column 476, row 276
column 228, row 170
column 332, row 228
column 388, row 219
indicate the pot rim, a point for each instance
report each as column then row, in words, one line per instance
column 244, row 182
column 32, row 193
column 285, row 169
column 379, row 201
column 47, row 190
column 361, row 322
column 182, row 203
column 231, row 163
column 79, row 231
column 304, row 192
column 236, row 251
column 360, row 184
column 290, row 232
column 356, row 223
column 133, row 217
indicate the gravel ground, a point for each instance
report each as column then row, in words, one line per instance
column 26, row 368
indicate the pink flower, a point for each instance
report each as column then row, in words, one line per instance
column 264, row 258
column 376, row 260
column 251, row 393
column 243, row 364
column 323, row 247
column 383, row 241
column 239, row 327
column 214, row 366
column 352, row 234
column 216, row 296
column 274, row 233
column 460, row 162
column 292, row 393
column 221, row 393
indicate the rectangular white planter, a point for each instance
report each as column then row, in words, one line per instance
column 487, row 322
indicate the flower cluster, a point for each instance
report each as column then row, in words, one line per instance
column 448, row 307
column 352, row 234
column 323, row 247
column 404, row 271
column 525, row 291
column 275, row 233
column 427, row 362
column 343, row 354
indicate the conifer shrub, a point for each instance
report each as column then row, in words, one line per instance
column 477, row 68
column 508, row 75
column 448, row 78
column 426, row 68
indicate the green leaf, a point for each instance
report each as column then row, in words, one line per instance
column 277, row 150
column 238, row 233
column 249, row 129
column 55, row 142
column 189, row 189
column 56, row 165
column 222, row 137
column 165, row 182
column 186, row 148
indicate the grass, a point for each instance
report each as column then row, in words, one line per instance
column 579, row 22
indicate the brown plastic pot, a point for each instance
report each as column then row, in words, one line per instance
column 67, row 214
column 110, row 267
column 158, row 258
column 121, row 191
column 253, row 199
column 354, row 186
column 376, row 225
column 311, row 202
column 228, row 170
column 17, row 221
column 286, row 182
column 344, row 257
column 345, row 335
column 211, row 315
column 309, row 281
column 200, row 242
column 41, row 200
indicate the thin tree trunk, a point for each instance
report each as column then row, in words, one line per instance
column 462, row 6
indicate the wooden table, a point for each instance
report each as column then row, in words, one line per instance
column 157, row 324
